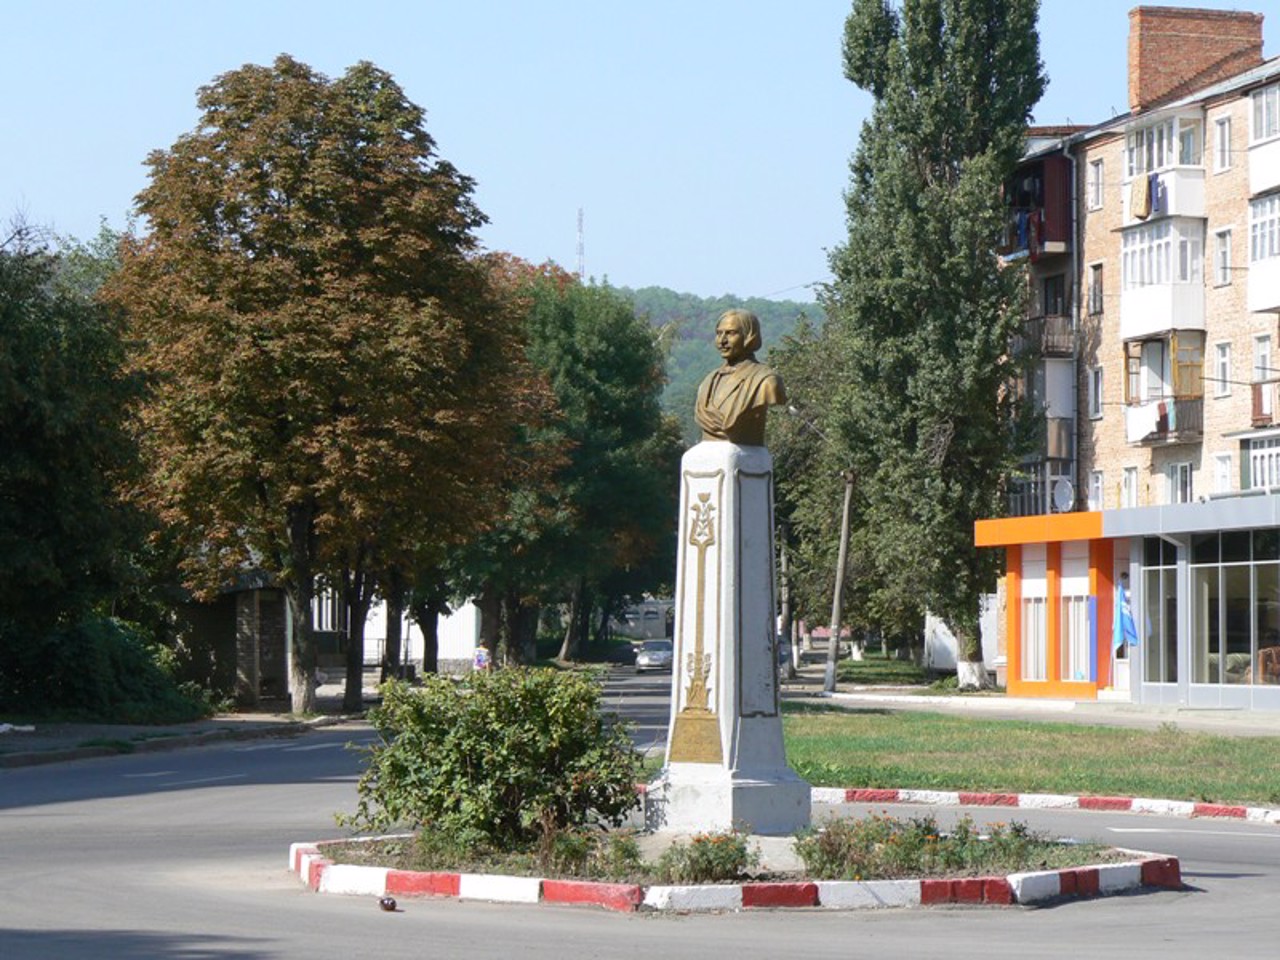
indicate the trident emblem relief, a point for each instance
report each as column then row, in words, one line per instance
column 696, row 736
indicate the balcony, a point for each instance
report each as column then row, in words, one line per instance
column 1264, row 285
column 1042, row 487
column 1174, row 192
column 1166, row 421
column 1046, row 336
column 1157, row 308
column 1264, row 166
column 1039, row 198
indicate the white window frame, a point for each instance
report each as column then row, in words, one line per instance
column 1097, row 489
column 1095, row 393
column 1095, row 188
column 1180, row 477
column 1222, row 473
column 1264, row 117
column 1222, row 257
column 1222, row 369
column 1097, row 289
column 1264, row 463
column 1262, row 370
column 1264, row 228
column 1150, row 148
column 1035, row 639
column 1190, row 143
column 1222, row 145
column 1129, row 487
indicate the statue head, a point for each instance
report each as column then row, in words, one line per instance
column 747, row 341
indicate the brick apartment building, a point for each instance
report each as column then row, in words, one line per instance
column 1153, row 249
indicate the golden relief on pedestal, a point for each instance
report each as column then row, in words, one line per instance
column 696, row 736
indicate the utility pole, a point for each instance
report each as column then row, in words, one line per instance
column 833, row 643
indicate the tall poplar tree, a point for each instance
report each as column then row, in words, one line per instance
column 330, row 374
column 923, row 310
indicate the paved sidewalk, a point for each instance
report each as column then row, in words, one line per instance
column 24, row 743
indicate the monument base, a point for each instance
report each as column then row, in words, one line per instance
column 703, row 798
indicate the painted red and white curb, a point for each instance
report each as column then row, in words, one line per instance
column 1046, row 801
column 1146, row 870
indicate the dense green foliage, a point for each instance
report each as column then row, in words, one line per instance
column 68, row 545
column 598, row 523
column 93, row 669
column 62, row 400
column 504, row 758
column 920, row 311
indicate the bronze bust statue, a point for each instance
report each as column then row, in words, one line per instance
column 733, row 399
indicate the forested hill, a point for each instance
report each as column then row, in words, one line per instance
column 692, row 320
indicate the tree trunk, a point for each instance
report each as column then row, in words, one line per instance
column 357, row 596
column 391, row 666
column 426, row 614
column 971, row 672
column 513, row 648
column 569, row 647
column 489, row 604
column 300, row 588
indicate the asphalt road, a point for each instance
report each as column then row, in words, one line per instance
column 182, row 856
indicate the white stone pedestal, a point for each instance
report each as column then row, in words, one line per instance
column 726, row 766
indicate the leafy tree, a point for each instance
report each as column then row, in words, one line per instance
column 607, row 507
column 922, row 310
column 62, row 400
column 328, row 369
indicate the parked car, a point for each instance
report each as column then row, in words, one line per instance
column 654, row 655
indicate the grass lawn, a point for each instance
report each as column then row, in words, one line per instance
column 871, row 748
column 878, row 671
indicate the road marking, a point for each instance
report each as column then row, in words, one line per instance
column 190, row 783
column 158, row 773
column 315, row 746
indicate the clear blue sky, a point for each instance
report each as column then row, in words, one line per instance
column 707, row 141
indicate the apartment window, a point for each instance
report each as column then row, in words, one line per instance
column 1262, row 373
column 1094, row 185
column 1161, row 253
column 1222, row 473
column 1190, row 260
column 1095, row 489
column 1222, row 145
column 1148, row 149
column 1266, row 113
column 1095, row 392
column 1179, row 481
column 1189, row 143
column 1222, row 257
column 1053, row 295
column 1145, row 256
column 1264, row 463
column 1264, row 228
column 1222, row 369
column 1129, row 487
column 1035, row 639
column 1095, row 289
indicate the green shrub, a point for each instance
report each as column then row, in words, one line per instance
column 502, row 758
column 707, row 858
column 97, row 669
column 883, row 847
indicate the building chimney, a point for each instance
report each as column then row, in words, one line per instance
column 1174, row 51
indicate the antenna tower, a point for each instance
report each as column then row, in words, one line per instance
column 582, row 250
